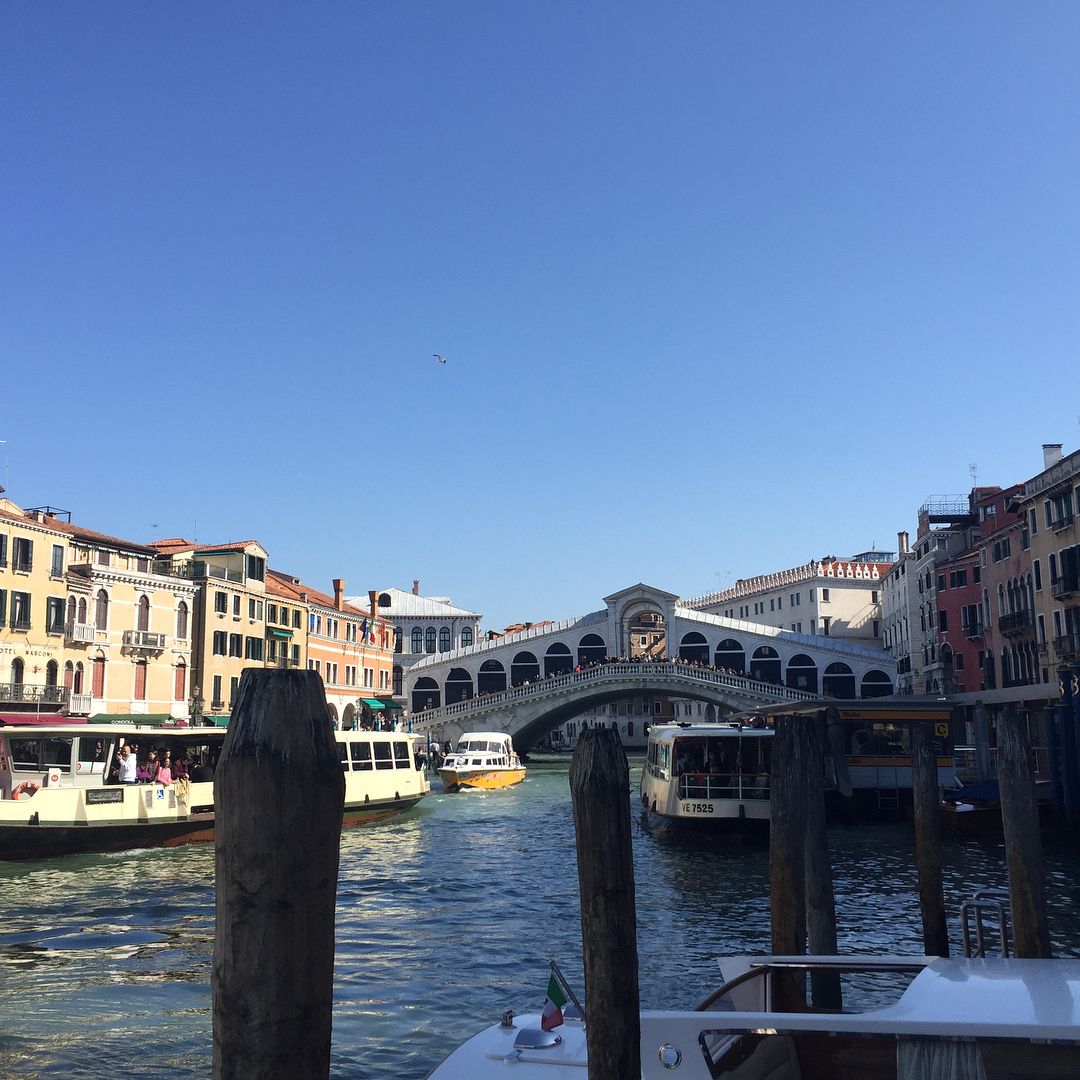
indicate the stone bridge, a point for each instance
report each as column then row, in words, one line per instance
column 531, row 711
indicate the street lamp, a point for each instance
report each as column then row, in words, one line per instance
column 195, row 706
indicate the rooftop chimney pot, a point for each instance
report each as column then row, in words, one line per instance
column 1051, row 454
column 339, row 593
column 416, row 586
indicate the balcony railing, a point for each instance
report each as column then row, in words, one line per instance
column 80, row 704
column 1063, row 522
column 22, row 565
column 143, row 639
column 33, row 692
column 1067, row 646
column 973, row 632
column 1016, row 622
column 84, row 632
column 1065, row 586
column 195, row 569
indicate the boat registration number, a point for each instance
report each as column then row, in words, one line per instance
column 697, row 808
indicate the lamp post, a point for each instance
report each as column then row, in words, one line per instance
column 195, row 706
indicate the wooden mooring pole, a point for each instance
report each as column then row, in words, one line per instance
column 926, row 806
column 1023, row 844
column 279, row 794
column 599, row 788
column 820, row 898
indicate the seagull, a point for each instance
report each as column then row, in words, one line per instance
column 438, row 358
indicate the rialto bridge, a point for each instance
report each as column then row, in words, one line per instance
column 528, row 683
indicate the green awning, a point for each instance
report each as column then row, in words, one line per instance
column 373, row 703
column 273, row 631
column 220, row 721
column 131, row 718
column 389, row 703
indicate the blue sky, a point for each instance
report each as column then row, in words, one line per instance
column 722, row 287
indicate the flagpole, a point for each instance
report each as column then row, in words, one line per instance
column 566, row 986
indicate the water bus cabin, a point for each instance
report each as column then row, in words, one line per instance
column 60, row 792
column 708, row 776
column 483, row 760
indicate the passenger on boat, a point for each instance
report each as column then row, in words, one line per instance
column 182, row 768
column 126, row 766
column 165, row 775
column 202, row 773
column 147, row 772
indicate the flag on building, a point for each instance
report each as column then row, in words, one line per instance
column 363, row 630
column 553, row 1004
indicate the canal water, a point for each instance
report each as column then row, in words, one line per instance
column 446, row 917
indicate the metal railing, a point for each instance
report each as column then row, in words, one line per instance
column 33, row 692
column 1067, row 646
column 1064, row 585
column 144, row 639
column 80, row 704
column 1016, row 622
column 84, row 632
column 1061, row 523
column 709, row 786
column 652, row 673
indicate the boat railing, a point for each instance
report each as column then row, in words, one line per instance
column 723, row 786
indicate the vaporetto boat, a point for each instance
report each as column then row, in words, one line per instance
column 59, row 795
column 708, row 776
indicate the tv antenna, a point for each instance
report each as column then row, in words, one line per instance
column 973, row 468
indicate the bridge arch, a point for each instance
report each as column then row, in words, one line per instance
column 838, row 681
column 558, row 659
column 426, row 695
column 524, row 668
column 459, row 686
column 765, row 664
column 876, row 683
column 802, row 673
column 731, row 655
column 694, row 648
column 591, row 649
column 491, row 678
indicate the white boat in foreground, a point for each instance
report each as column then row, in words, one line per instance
column 999, row 1019
column 57, row 794
column 708, row 776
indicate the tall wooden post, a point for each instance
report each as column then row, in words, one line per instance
column 787, row 866
column 820, row 899
column 926, row 797
column 983, row 763
column 1023, row 844
column 279, row 793
column 599, row 789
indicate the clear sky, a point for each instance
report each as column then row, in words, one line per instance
column 722, row 287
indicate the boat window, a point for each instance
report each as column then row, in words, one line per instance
column 494, row 747
column 93, row 753
column 25, row 754
column 343, row 756
column 58, row 753
column 361, row 755
column 401, row 755
column 383, row 760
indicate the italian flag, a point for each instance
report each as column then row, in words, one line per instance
column 556, row 999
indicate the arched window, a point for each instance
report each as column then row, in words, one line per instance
column 180, row 682
column 101, row 610
column 182, row 621
column 591, row 649
column 731, row 655
column 72, row 611
column 429, row 639
column 876, row 684
column 558, row 659
column 17, row 671
column 52, row 673
column 425, row 695
column 524, row 668
column 765, row 664
column 77, row 685
column 69, row 676
column 144, row 614
column 444, row 641
column 459, row 686
column 802, row 673
column 466, row 636
column 417, row 639
column 397, row 639
column 82, row 609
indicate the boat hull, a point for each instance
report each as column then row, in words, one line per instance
column 480, row 779
column 729, row 827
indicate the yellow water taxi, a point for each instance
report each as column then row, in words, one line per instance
column 484, row 760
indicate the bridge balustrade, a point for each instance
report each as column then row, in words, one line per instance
column 644, row 671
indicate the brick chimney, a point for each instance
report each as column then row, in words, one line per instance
column 373, row 600
column 416, row 586
column 902, row 543
column 1051, row 454
column 339, row 593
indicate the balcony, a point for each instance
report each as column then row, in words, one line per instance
column 1016, row 622
column 1067, row 646
column 1061, row 523
column 974, row 632
column 80, row 704
column 81, row 632
column 1065, row 586
column 144, row 641
column 33, row 693
column 195, row 570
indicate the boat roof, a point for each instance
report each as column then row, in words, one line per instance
column 979, row 997
column 98, row 731
column 500, row 736
column 670, row 732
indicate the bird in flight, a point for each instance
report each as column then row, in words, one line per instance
column 439, row 359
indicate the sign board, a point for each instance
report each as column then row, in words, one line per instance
column 104, row 795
